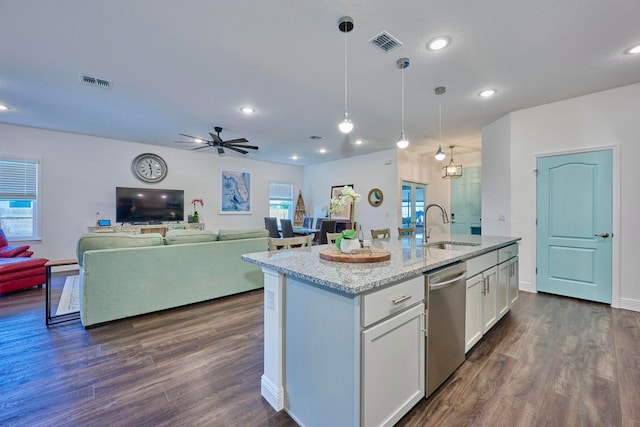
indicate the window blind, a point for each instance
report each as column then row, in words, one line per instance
column 18, row 180
column 280, row 191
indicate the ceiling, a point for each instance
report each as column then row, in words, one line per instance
column 185, row 67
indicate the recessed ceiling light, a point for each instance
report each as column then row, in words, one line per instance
column 3, row 107
column 633, row 50
column 248, row 110
column 322, row 150
column 294, row 157
column 438, row 43
column 358, row 142
column 487, row 93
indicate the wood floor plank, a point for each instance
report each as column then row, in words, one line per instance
column 551, row 361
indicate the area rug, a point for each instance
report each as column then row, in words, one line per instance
column 69, row 301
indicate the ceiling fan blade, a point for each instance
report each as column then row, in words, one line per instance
column 215, row 137
column 220, row 150
column 237, row 149
column 189, row 136
column 185, row 142
column 236, row 141
column 250, row 147
column 200, row 148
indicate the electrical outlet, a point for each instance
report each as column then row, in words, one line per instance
column 501, row 217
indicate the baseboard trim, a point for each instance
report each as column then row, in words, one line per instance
column 271, row 393
column 629, row 304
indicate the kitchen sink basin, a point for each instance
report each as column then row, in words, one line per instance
column 450, row 245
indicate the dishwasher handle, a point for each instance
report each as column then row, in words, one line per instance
column 447, row 283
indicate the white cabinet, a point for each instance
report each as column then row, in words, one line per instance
column 514, row 280
column 473, row 319
column 508, row 277
column 490, row 300
column 393, row 367
column 491, row 291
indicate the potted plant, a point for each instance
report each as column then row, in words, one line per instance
column 347, row 241
column 194, row 202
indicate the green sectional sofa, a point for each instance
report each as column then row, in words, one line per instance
column 124, row 275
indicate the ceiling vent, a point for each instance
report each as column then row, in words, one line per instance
column 93, row 81
column 385, row 41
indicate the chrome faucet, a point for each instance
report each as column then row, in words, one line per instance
column 445, row 220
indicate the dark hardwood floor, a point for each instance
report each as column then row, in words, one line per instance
column 552, row 361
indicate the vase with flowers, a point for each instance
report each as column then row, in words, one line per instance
column 194, row 202
column 347, row 241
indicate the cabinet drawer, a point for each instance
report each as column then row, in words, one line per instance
column 507, row 253
column 481, row 263
column 390, row 300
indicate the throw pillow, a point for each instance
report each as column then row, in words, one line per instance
column 3, row 239
column 13, row 251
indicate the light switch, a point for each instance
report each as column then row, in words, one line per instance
column 501, row 217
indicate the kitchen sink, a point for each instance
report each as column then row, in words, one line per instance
column 450, row 245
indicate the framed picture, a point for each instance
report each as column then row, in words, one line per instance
column 347, row 212
column 235, row 192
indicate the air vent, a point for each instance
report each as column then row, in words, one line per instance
column 385, row 41
column 93, row 81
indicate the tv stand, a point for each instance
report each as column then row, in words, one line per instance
column 145, row 228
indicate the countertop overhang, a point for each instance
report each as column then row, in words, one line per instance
column 409, row 259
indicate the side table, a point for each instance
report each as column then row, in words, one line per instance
column 50, row 319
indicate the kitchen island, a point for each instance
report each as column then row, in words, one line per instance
column 344, row 343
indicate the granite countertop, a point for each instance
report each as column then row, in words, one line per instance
column 408, row 259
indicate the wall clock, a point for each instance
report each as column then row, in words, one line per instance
column 149, row 167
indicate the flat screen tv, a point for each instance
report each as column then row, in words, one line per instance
column 148, row 205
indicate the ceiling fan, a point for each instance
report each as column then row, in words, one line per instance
column 238, row 145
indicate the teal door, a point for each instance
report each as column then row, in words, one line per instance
column 466, row 201
column 574, row 211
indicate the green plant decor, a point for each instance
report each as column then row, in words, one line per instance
column 346, row 234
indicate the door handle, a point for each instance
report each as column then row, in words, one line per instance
column 605, row 234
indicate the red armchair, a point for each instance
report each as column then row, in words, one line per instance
column 17, row 269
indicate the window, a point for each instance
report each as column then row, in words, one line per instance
column 281, row 200
column 19, row 198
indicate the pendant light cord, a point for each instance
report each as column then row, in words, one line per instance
column 346, row 84
column 403, row 101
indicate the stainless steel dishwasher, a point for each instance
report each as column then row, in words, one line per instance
column 445, row 301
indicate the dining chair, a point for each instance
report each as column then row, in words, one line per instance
column 406, row 231
column 319, row 223
column 271, row 224
column 287, row 228
column 331, row 237
column 327, row 226
column 289, row 242
column 383, row 233
column 307, row 222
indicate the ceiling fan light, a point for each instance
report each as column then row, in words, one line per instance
column 403, row 142
column 198, row 140
column 3, row 107
column 345, row 125
column 440, row 154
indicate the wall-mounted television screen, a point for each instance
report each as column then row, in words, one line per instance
column 149, row 204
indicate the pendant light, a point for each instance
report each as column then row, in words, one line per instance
column 345, row 24
column 440, row 154
column 402, row 64
column 452, row 170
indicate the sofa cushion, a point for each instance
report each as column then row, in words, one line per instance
column 93, row 241
column 242, row 234
column 13, row 251
column 180, row 237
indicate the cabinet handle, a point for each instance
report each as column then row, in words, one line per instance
column 401, row 299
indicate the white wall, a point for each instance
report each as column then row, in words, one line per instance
column 604, row 119
column 80, row 173
column 364, row 172
column 496, row 178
